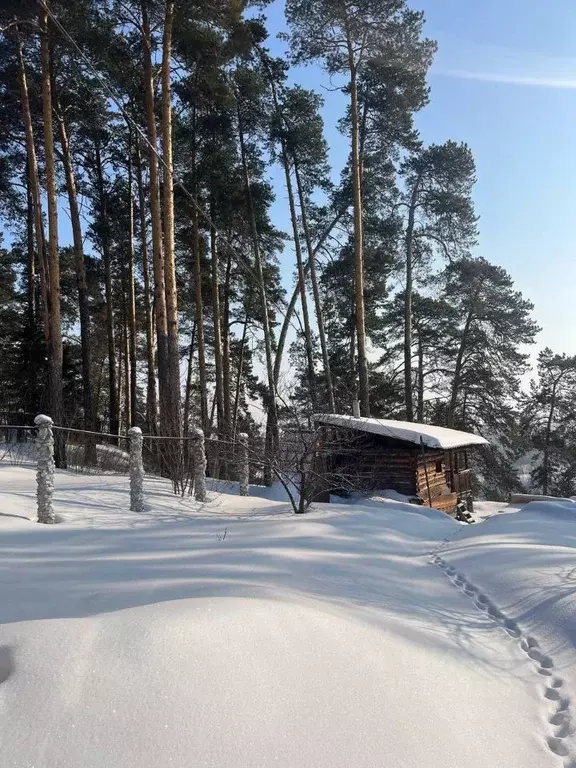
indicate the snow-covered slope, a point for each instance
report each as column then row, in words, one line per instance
column 523, row 566
column 236, row 635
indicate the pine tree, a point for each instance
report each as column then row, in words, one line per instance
column 550, row 417
column 351, row 38
column 440, row 219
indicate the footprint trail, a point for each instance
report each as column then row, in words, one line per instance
column 551, row 687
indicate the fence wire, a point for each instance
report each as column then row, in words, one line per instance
column 93, row 452
column 17, row 446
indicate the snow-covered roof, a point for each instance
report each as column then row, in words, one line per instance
column 409, row 432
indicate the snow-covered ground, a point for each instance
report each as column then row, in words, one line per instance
column 237, row 635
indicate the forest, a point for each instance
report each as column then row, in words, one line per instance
column 145, row 276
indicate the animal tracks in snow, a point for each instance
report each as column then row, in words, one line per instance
column 559, row 719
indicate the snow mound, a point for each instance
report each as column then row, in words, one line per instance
column 241, row 682
column 234, row 634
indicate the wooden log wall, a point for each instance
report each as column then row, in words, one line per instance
column 443, row 498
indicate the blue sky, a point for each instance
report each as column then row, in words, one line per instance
column 504, row 81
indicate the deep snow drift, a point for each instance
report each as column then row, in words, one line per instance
column 238, row 635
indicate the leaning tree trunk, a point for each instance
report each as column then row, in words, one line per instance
column 80, row 268
column 272, row 421
column 151, row 402
column 110, row 335
column 311, row 376
column 173, row 346
column 315, row 290
column 55, row 351
column 293, row 300
column 301, row 282
column 158, row 258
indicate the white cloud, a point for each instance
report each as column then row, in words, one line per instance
column 499, row 64
column 500, row 77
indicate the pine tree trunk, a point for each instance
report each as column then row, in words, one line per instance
column 217, row 319
column 272, row 421
column 239, row 379
column 198, row 302
column 547, row 439
column 121, row 359
column 315, row 290
column 80, row 268
column 188, row 391
column 199, row 308
column 310, row 373
column 31, row 254
column 173, row 345
column 363, row 381
column 31, row 331
column 420, row 415
column 110, row 334
column 55, row 343
column 455, row 389
column 225, row 325
column 132, row 297
column 32, row 165
column 129, row 414
column 293, row 300
column 408, row 400
column 151, row 402
column 408, row 321
column 158, row 258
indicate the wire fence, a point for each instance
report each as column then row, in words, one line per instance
column 18, row 445
column 93, row 452
column 183, row 461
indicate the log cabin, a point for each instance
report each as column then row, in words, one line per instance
column 428, row 464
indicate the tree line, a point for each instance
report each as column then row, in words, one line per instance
column 140, row 261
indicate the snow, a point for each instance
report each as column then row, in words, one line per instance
column 234, row 633
column 431, row 436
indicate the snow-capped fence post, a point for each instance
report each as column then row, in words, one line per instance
column 243, row 463
column 199, row 453
column 136, row 470
column 45, row 469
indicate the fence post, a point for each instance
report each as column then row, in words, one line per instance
column 199, row 451
column 45, row 469
column 243, row 463
column 136, row 470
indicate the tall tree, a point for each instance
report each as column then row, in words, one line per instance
column 439, row 220
column 172, row 405
column 160, row 308
column 55, row 352
column 350, row 37
column 550, row 416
